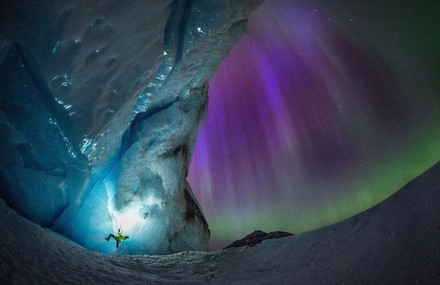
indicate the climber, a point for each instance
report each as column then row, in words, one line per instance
column 119, row 238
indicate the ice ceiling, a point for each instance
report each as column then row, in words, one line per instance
column 323, row 109
column 100, row 103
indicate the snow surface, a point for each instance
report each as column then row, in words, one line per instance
column 396, row 242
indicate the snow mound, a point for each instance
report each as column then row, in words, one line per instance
column 395, row 242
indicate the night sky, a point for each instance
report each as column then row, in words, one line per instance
column 321, row 111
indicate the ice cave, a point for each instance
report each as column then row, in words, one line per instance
column 185, row 125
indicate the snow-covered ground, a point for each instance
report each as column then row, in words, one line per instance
column 396, row 242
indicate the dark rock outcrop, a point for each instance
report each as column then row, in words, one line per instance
column 257, row 237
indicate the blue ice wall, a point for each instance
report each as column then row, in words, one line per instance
column 41, row 170
column 100, row 105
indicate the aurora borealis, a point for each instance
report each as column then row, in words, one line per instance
column 322, row 110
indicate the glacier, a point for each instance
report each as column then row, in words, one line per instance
column 100, row 105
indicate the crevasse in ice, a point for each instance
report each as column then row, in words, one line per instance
column 100, row 104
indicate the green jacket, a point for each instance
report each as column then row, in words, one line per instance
column 120, row 237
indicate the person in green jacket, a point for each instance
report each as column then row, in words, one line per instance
column 119, row 238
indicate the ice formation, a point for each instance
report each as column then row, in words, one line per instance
column 99, row 109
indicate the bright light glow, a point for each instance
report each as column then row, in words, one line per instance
column 151, row 200
column 131, row 219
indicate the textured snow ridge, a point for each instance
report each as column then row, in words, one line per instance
column 395, row 242
column 100, row 103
